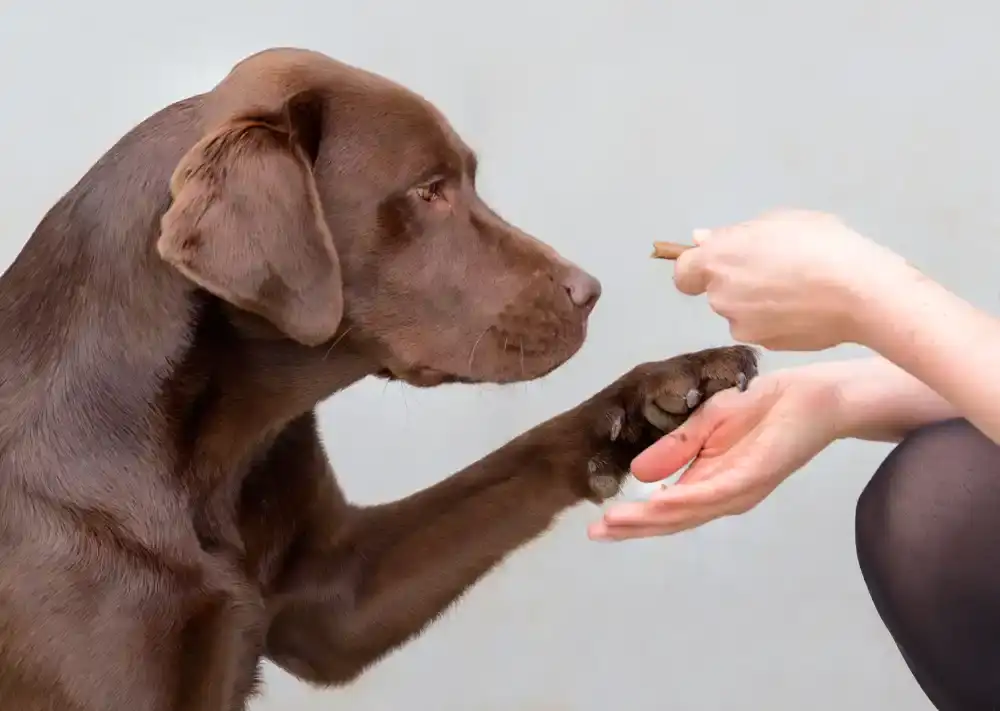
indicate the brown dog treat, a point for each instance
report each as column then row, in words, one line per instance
column 669, row 250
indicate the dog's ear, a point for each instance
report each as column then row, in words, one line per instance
column 246, row 223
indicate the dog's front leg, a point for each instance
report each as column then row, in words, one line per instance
column 394, row 568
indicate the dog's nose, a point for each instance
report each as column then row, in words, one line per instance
column 584, row 290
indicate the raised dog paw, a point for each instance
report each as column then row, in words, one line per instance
column 651, row 400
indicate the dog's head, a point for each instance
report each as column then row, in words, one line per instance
column 323, row 198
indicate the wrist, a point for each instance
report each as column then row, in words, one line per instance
column 836, row 395
column 874, row 399
column 842, row 397
column 849, row 405
column 819, row 387
column 875, row 297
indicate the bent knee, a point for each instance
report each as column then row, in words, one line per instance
column 924, row 479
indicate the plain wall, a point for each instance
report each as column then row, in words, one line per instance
column 602, row 125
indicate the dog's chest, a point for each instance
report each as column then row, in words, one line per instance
column 249, row 529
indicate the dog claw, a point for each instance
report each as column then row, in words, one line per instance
column 617, row 420
column 692, row 398
column 741, row 382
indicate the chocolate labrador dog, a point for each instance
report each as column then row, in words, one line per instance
column 168, row 518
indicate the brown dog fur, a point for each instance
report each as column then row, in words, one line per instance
column 168, row 517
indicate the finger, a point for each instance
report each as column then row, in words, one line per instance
column 607, row 532
column 690, row 272
column 659, row 508
column 652, row 513
column 671, row 452
column 700, row 236
column 797, row 343
column 719, row 490
column 598, row 532
column 700, row 470
column 727, row 232
column 758, row 332
column 747, row 331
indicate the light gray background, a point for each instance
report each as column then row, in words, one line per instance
column 602, row 125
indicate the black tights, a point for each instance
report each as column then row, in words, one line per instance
column 928, row 538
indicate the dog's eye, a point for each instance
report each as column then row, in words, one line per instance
column 429, row 192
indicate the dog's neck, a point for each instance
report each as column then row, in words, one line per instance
column 98, row 329
column 238, row 391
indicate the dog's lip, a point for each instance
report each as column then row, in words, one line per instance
column 427, row 376
column 517, row 346
column 421, row 376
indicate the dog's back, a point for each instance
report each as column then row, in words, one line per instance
column 91, row 327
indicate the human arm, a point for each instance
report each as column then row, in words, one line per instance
column 874, row 399
column 795, row 280
column 744, row 445
column 941, row 340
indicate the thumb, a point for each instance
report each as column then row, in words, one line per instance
column 673, row 451
column 700, row 470
column 691, row 274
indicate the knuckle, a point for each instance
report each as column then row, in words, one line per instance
column 720, row 402
column 690, row 274
column 744, row 331
column 741, row 505
column 718, row 303
column 686, row 283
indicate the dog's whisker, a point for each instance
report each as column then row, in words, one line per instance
column 406, row 403
column 337, row 340
column 475, row 345
column 521, row 345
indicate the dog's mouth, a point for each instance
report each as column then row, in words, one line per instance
column 423, row 377
column 497, row 356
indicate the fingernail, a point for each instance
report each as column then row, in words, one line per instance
column 697, row 236
column 599, row 532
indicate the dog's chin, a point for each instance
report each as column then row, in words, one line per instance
column 423, row 377
column 512, row 369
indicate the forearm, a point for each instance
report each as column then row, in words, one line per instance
column 875, row 399
column 357, row 590
column 940, row 340
column 396, row 567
